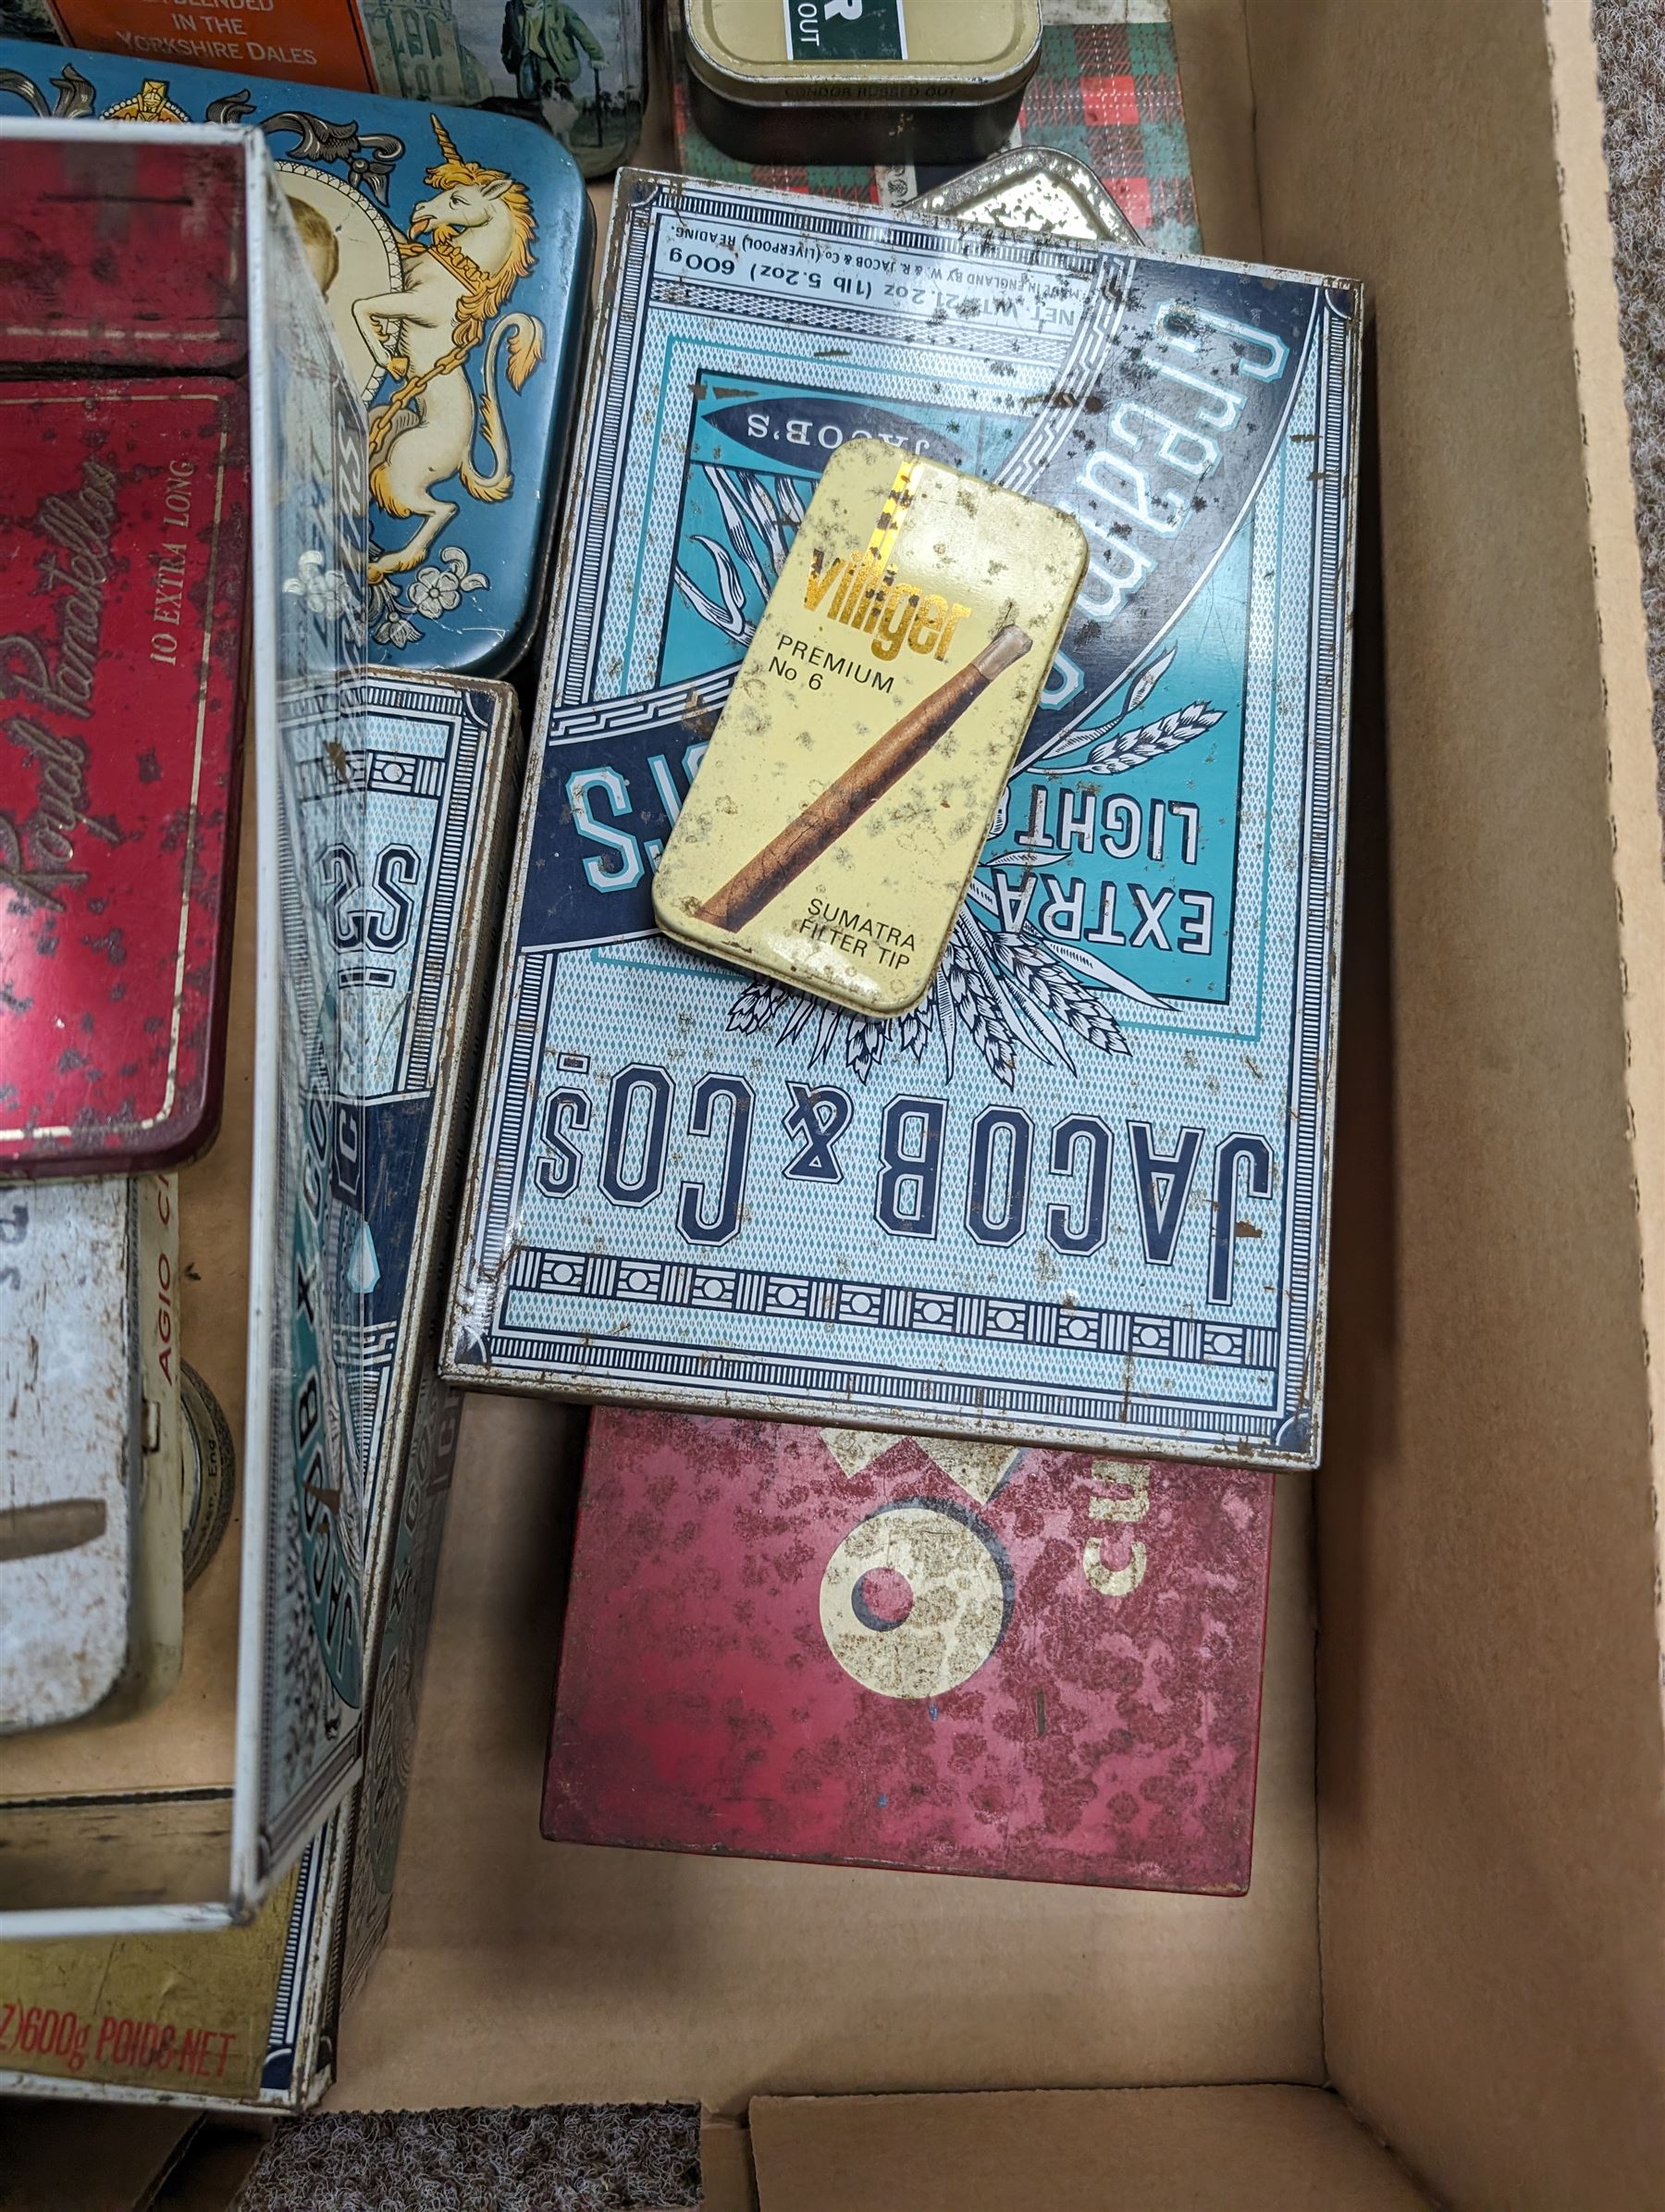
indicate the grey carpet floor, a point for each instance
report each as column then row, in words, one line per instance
column 1630, row 38
column 559, row 2158
column 628, row 2158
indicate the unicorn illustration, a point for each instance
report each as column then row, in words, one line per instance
column 480, row 227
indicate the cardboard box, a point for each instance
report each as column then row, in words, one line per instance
column 1453, row 1939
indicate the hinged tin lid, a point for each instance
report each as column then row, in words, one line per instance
column 123, row 550
column 814, row 51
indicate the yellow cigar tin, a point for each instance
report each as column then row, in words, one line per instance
column 830, row 834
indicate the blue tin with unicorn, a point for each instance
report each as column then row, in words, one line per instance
column 453, row 247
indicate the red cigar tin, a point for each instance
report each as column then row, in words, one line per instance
column 793, row 1643
column 123, row 557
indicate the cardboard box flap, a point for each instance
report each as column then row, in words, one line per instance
column 1270, row 2149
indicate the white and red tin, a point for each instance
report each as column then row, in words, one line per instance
column 91, row 1588
column 793, row 1643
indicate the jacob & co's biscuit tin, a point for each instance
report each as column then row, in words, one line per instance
column 851, row 81
column 1078, row 1196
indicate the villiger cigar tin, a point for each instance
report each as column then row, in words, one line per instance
column 880, row 1652
column 849, row 786
column 854, row 80
column 90, row 1579
column 453, row 250
column 1034, row 189
column 123, row 554
column 1078, row 1197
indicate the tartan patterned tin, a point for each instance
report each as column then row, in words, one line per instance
column 1079, row 1195
column 824, row 1645
column 123, row 552
column 1107, row 90
column 453, row 249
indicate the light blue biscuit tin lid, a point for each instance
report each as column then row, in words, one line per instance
column 454, row 248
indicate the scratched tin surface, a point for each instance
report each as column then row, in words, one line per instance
column 581, row 63
column 402, row 905
column 849, row 786
column 1079, row 1195
column 453, row 250
column 803, row 1644
column 123, row 555
column 90, row 1584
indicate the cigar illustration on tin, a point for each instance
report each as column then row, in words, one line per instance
column 842, row 805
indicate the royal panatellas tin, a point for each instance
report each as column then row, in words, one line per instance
column 861, row 80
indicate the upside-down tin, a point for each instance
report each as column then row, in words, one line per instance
column 1078, row 1197
column 1033, row 190
column 893, row 80
column 90, row 1581
column 123, row 556
column 453, row 250
column 878, row 1652
column 848, row 788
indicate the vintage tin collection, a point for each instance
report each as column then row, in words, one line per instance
column 959, row 1659
column 848, row 788
column 91, row 1587
column 1079, row 1195
column 453, row 249
column 123, row 558
column 896, row 81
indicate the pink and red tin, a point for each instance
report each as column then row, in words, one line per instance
column 123, row 557
column 869, row 1651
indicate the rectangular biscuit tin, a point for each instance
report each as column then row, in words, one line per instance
column 848, row 788
column 453, row 249
column 884, row 80
column 1079, row 1196
column 949, row 1659
column 124, row 529
column 196, row 217
column 91, row 1587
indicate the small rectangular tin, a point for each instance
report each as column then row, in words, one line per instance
column 457, row 243
column 940, row 80
column 948, row 1658
column 848, row 788
column 1037, row 191
column 90, row 1584
column 123, row 555
column 1079, row 1196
